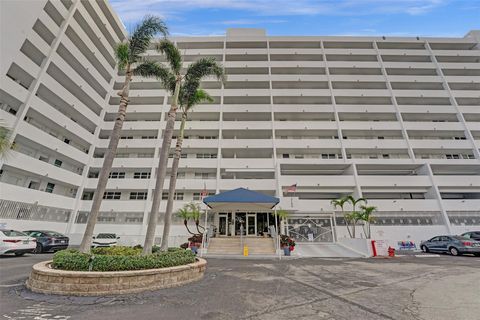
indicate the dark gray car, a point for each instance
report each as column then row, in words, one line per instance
column 456, row 245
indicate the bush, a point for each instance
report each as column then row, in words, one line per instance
column 117, row 251
column 74, row 260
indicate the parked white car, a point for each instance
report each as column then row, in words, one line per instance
column 105, row 240
column 19, row 243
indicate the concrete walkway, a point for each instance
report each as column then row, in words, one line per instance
column 323, row 250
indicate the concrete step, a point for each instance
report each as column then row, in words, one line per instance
column 256, row 246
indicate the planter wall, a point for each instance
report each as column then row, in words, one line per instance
column 44, row 279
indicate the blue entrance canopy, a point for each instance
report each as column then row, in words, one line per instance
column 241, row 199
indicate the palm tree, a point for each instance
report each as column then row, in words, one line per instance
column 354, row 215
column 341, row 204
column 129, row 59
column 186, row 214
column 187, row 102
column 173, row 79
column 366, row 215
column 196, row 214
column 283, row 215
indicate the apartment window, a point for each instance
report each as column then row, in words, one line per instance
column 328, row 156
column 127, row 137
column 206, row 155
column 149, row 137
column 285, row 156
column 50, row 187
column 116, row 175
column 67, row 141
column 87, row 196
column 180, row 175
column 34, row 185
column 176, row 196
column 386, row 156
column 112, row 195
column 138, row 195
column 198, row 196
column 93, row 175
column 43, row 158
column 202, row 175
column 57, row 163
column 141, row 175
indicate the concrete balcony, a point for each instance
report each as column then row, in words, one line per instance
column 361, row 92
column 126, row 162
column 18, row 193
column 440, row 144
column 297, row 77
column 254, row 184
column 199, row 125
column 457, row 181
column 245, row 125
column 122, row 184
column 307, row 143
column 135, row 125
column 374, row 144
column 117, row 205
column 197, row 143
column 244, row 108
column 306, row 125
column 43, row 138
column 25, row 163
column 193, row 184
column 474, row 126
column 129, row 143
column 246, row 143
column 319, row 181
column 300, row 92
column 394, row 181
column 416, row 205
column 370, row 125
column 461, row 205
column 247, row 163
column 421, row 93
column 420, row 125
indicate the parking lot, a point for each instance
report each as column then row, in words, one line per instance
column 410, row 287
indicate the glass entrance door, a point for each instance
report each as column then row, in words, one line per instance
column 222, row 225
column 251, row 224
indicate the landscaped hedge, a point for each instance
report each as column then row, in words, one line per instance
column 120, row 259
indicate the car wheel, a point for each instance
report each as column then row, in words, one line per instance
column 476, row 254
column 39, row 248
column 425, row 249
column 19, row 254
column 454, row 251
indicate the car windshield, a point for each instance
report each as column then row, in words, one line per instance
column 106, row 236
column 13, row 233
column 53, row 234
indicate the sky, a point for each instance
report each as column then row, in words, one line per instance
column 449, row 18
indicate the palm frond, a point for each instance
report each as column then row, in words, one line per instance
column 122, row 54
column 172, row 54
column 143, row 34
column 149, row 69
column 205, row 67
column 199, row 97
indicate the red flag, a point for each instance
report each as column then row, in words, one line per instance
column 292, row 188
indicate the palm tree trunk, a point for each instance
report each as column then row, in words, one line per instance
column 185, row 222
column 107, row 165
column 173, row 183
column 161, row 171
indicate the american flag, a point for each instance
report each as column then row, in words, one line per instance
column 292, row 188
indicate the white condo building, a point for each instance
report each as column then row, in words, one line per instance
column 395, row 120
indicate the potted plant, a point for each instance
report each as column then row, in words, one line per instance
column 287, row 244
column 195, row 242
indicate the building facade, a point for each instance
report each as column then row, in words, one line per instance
column 394, row 120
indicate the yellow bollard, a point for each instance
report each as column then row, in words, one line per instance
column 245, row 251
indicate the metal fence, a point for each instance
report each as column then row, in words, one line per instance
column 17, row 210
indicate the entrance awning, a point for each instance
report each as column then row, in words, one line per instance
column 241, row 199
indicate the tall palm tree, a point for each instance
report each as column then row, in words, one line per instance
column 187, row 102
column 366, row 215
column 341, row 204
column 203, row 67
column 129, row 59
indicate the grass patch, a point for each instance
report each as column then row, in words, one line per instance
column 120, row 259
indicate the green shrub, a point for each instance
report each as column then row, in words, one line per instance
column 117, row 251
column 76, row 261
